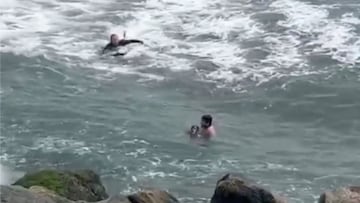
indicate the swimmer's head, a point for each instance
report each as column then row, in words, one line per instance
column 114, row 39
column 206, row 121
column 194, row 130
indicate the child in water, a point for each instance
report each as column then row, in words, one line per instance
column 194, row 131
column 206, row 130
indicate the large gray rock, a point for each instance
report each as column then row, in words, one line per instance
column 39, row 194
column 235, row 189
column 18, row 194
column 341, row 195
column 73, row 185
column 54, row 186
column 147, row 196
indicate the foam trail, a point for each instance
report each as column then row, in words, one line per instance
column 336, row 37
column 177, row 35
column 8, row 176
column 210, row 21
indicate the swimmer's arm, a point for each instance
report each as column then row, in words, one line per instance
column 119, row 54
column 130, row 41
column 108, row 46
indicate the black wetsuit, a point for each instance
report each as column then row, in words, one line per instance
column 122, row 42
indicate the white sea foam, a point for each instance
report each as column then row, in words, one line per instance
column 153, row 174
column 176, row 34
column 333, row 36
column 53, row 144
column 8, row 175
column 135, row 141
column 4, row 175
column 350, row 18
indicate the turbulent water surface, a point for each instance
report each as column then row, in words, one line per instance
column 280, row 77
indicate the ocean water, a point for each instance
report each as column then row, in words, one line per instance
column 280, row 77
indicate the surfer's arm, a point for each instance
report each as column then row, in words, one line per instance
column 107, row 47
column 119, row 54
column 125, row 42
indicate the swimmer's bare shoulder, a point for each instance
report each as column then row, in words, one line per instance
column 208, row 133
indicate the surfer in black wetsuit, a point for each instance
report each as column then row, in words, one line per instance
column 116, row 42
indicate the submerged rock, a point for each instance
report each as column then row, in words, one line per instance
column 73, row 185
column 232, row 189
column 152, row 196
column 341, row 195
column 116, row 199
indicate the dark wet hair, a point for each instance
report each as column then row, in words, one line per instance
column 112, row 35
column 207, row 118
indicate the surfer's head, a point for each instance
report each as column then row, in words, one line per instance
column 206, row 121
column 114, row 39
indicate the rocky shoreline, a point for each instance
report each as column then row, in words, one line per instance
column 83, row 186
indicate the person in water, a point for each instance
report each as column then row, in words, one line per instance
column 115, row 42
column 194, row 131
column 206, row 129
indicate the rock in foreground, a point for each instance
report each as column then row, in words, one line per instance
column 18, row 194
column 341, row 195
column 39, row 194
column 230, row 189
column 152, row 196
column 73, row 185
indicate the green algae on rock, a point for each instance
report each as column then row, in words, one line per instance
column 73, row 185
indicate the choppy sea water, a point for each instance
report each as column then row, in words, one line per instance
column 281, row 78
